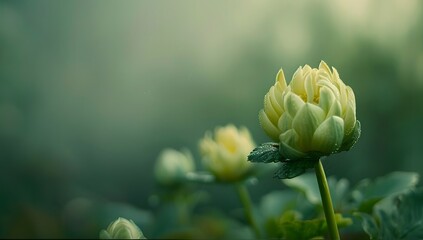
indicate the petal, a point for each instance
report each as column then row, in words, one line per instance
column 272, row 99
column 325, row 67
column 351, row 96
column 289, row 137
column 297, row 82
column 280, row 80
column 123, row 233
column 335, row 110
column 329, row 85
column 349, row 118
column 349, row 112
column 292, row 103
column 335, row 76
column 270, row 111
column 328, row 136
column 226, row 138
column 285, row 123
column 343, row 95
column 309, row 88
column 308, row 118
column 288, row 140
column 306, row 68
column 327, row 98
column 271, row 130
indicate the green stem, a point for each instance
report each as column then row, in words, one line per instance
column 244, row 196
column 326, row 201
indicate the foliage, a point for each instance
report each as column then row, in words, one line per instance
column 389, row 207
column 290, row 226
column 396, row 217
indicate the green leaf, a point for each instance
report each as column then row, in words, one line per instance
column 369, row 225
column 294, row 168
column 368, row 193
column 396, row 217
column 339, row 191
column 305, row 229
column 275, row 203
column 404, row 215
column 308, row 185
column 266, row 153
column 294, row 228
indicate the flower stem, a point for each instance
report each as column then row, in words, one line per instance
column 326, row 201
column 244, row 196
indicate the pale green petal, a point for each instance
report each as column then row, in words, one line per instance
column 270, row 111
column 292, row 103
column 343, row 96
column 297, row 82
column 322, row 75
column 335, row 110
column 309, row 88
column 272, row 98
column 226, row 138
column 289, row 152
column 324, row 66
column 335, row 77
column 351, row 96
column 306, row 121
column 349, row 118
column 122, row 229
column 288, row 140
column 289, row 137
column 329, row 85
column 306, row 68
column 123, row 233
column 271, row 130
column 328, row 136
column 280, row 80
column 327, row 98
column 350, row 112
column 285, row 123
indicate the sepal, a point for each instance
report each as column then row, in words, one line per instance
column 352, row 138
column 266, row 153
column 294, row 168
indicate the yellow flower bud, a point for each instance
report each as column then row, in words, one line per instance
column 122, row 229
column 225, row 153
column 172, row 166
column 315, row 113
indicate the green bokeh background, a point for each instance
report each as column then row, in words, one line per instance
column 92, row 91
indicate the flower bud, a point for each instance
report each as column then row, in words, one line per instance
column 314, row 114
column 172, row 166
column 225, row 153
column 122, row 229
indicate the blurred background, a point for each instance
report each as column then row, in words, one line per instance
column 92, row 91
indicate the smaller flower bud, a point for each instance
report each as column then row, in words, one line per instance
column 172, row 166
column 225, row 153
column 122, row 228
